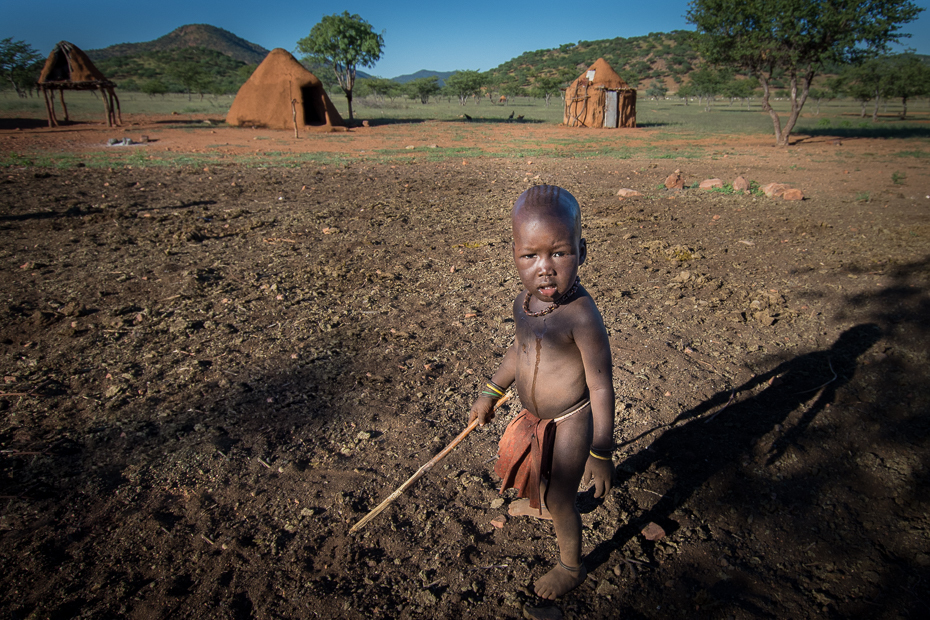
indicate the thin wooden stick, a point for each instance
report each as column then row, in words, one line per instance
column 445, row 451
column 294, row 112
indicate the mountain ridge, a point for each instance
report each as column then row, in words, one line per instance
column 190, row 35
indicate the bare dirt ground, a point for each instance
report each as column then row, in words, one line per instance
column 210, row 373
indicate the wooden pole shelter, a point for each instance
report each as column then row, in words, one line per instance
column 420, row 472
column 69, row 68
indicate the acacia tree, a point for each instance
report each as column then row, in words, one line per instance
column 866, row 81
column 657, row 90
column 381, row 87
column 423, row 88
column 343, row 42
column 796, row 37
column 546, row 86
column 464, row 84
column 191, row 75
column 908, row 77
column 16, row 58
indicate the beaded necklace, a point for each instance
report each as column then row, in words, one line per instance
column 558, row 302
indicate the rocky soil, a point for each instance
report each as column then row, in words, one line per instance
column 211, row 373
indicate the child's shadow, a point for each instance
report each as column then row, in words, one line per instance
column 707, row 444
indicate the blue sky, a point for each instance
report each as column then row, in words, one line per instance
column 440, row 36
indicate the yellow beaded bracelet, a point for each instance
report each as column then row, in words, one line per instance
column 597, row 456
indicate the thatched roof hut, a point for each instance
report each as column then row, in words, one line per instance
column 600, row 98
column 282, row 93
column 69, row 68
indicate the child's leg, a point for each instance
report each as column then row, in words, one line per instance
column 569, row 455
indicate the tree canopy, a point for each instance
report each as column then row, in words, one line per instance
column 18, row 61
column 423, row 88
column 796, row 37
column 344, row 42
column 464, row 84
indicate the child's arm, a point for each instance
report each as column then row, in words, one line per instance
column 592, row 341
column 483, row 408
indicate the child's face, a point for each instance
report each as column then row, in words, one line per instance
column 547, row 253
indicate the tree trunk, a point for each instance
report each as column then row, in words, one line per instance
column 878, row 101
column 776, row 121
column 903, row 108
column 349, row 99
column 797, row 104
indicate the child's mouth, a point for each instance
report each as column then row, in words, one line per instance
column 548, row 291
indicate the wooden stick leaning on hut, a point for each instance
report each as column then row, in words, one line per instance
column 419, row 473
column 294, row 112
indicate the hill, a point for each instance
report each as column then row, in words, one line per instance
column 664, row 57
column 424, row 73
column 190, row 36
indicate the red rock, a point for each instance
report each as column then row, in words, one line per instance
column 740, row 184
column 628, row 193
column 653, row 531
column 793, row 194
column 711, row 183
column 499, row 521
column 674, row 181
column 774, row 190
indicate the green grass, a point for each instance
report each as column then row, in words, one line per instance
column 87, row 106
column 671, row 120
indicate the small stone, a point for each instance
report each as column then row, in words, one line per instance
column 542, row 613
column 740, row 184
column 711, row 183
column 674, row 181
column 605, row 588
column 497, row 503
column 764, row 317
column 628, row 193
column 792, row 194
column 363, row 436
column 774, row 190
column 366, row 124
column 653, row 531
column 499, row 521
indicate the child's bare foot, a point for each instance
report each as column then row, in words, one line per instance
column 522, row 508
column 560, row 580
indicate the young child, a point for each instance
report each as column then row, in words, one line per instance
column 560, row 361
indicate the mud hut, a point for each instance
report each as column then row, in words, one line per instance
column 69, row 68
column 283, row 94
column 600, row 98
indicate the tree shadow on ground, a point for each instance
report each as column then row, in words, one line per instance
column 880, row 131
column 25, row 123
column 380, row 122
column 700, row 446
column 827, row 449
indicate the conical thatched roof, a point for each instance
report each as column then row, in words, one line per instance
column 603, row 76
column 265, row 98
column 67, row 66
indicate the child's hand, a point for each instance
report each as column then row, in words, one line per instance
column 483, row 410
column 601, row 472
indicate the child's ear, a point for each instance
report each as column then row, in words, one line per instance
column 582, row 251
